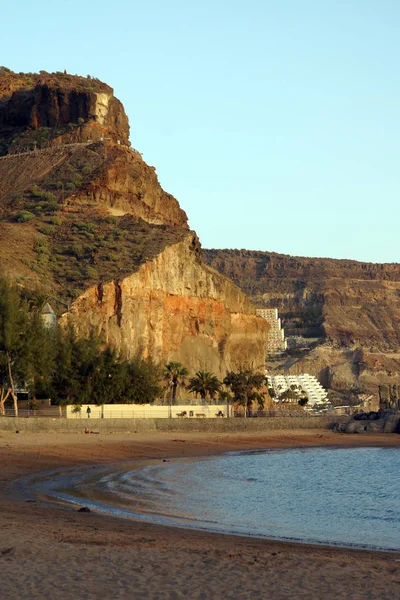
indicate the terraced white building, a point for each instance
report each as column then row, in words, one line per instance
column 301, row 385
column 276, row 336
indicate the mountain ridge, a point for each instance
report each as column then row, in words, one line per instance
column 350, row 308
column 84, row 220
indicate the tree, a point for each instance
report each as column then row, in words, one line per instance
column 13, row 326
column 288, row 395
column 143, row 382
column 35, row 364
column 225, row 397
column 175, row 375
column 247, row 386
column 5, row 390
column 205, row 384
column 76, row 363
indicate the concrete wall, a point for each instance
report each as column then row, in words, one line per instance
column 37, row 425
column 146, row 411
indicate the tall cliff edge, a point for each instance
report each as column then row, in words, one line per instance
column 35, row 108
column 84, row 220
column 176, row 308
column 351, row 308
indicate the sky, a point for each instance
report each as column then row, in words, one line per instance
column 274, row 123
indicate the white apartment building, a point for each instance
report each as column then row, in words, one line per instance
column 276, row 336
column 307, row 385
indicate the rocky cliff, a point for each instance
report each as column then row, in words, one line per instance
column 84, row 221
column 38, row 108
column 351, row 310
column 176, row 308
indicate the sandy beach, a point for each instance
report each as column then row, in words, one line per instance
column 48, row 551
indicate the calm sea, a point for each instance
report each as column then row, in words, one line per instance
column 347, row 497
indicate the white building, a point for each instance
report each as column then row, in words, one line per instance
column 48, row 315
column 276, row 336
column 305, row 385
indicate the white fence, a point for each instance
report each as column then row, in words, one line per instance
column 147, row 411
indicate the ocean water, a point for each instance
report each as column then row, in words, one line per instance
column 345, row 497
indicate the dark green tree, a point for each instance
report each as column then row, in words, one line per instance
column 143, row 381
column 108, row 377
column 13, row 327
column 247, row 386
column 174, row 376
column 204, row 384
column 303, row 401
column 36, row 362
column 76, row 363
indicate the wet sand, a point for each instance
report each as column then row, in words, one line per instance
column 47, row 551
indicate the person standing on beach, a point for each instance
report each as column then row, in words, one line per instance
column 88, row 411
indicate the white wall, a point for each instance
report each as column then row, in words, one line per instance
column 145, row 411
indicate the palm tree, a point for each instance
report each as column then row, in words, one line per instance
column 174, row 375
column 205, row 384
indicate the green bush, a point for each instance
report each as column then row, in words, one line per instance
column 86, row 170
column 84, row 226
column 90, row 273
column 42, row 194
column 24, row 215
column 78, row 250
column 50, row 207
column 41, row 246
column 55, row 221
column 47, row 230
column 35, row 191
column 70, row 185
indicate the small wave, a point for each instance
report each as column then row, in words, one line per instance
column 313, row 496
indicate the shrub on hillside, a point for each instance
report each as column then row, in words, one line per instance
column 24, row 215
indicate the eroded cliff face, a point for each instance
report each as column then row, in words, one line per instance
column 351, row 309
column 95, row 229
column 108, row 177
column 347, row 369
column 39, row 108
column 125, row 184
column 176, row 308
column 346, row 302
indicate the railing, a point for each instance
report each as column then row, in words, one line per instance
column 143, row 414
column 35, row 151
column 273, row 413
column 52, row 413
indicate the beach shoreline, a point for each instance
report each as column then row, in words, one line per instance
column 100, row 550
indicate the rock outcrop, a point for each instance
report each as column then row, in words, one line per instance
column 47, row 106
column 351, row 310
column 381, row 422
column 125, row 184
column 176, row 308
column 98, row 234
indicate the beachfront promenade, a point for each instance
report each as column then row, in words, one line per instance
column 148, row 411
column 36, row 424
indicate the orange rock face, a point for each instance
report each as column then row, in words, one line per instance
column 65, row 154
column 176, row 308
column 126, row 184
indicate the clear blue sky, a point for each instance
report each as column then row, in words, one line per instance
column 274, row 123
